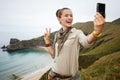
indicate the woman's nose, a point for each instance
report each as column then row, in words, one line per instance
column 70, row 17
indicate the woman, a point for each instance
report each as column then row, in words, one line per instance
column 67, row 42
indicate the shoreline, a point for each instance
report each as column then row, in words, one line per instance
column 42, row 48
column 36, row 75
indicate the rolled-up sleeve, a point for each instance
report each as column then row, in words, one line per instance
column 83, row 39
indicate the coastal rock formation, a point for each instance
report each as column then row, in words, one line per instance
column 24, row 44
column 15, row 44
column 14, row 40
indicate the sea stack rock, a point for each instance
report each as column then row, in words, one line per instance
column 14, row 40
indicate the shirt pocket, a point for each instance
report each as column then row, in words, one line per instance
column 70, row 41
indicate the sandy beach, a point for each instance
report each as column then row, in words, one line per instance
column 37, row 74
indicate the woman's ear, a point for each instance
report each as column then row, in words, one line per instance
column 59, row 19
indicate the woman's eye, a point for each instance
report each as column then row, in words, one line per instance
column 66, row 15
column 71, row 15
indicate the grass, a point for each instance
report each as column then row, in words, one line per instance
column 106, row 68
column 106, row 45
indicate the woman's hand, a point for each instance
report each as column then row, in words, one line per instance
column 47, row 36
column 48, row 42
column 99, row 22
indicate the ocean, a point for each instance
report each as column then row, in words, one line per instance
column 20, row 62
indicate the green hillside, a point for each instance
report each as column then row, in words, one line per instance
column 105, row 53
column 106, row 68
column 107, row 44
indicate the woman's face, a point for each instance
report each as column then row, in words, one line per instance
column 66, row 18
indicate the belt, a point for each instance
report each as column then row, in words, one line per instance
column 63, row 76
column 56, row 75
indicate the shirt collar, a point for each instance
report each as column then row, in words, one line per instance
column 73, row 30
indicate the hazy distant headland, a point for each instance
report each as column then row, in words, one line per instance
column 15, row 44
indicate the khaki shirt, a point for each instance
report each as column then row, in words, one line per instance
column 66, row 63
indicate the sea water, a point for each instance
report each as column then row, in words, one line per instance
column 20, row 62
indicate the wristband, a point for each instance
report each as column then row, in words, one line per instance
column 96, row 35
column 48, row 45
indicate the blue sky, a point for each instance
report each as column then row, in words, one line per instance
column 36, row 15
